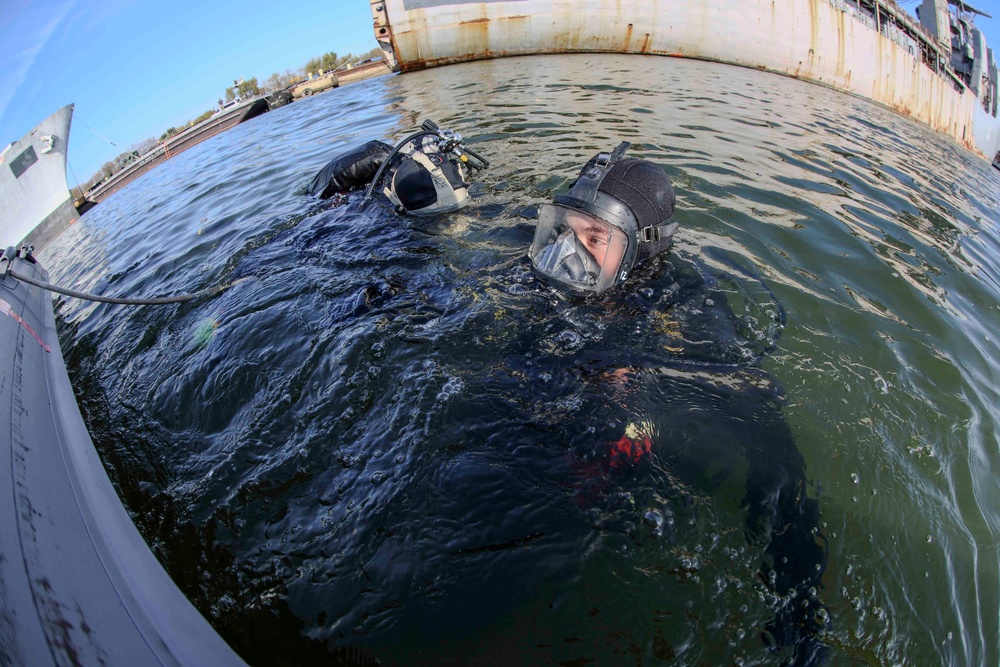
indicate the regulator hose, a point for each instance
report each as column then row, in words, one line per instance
column 154, row 301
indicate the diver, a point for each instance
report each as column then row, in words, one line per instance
column 427, row 173
column 616, row 215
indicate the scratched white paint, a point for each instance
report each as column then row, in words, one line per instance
column 808, row 39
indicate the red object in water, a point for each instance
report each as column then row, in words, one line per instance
column 627, row 451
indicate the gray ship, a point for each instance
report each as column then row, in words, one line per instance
column 35, row 204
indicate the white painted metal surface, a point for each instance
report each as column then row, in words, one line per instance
column 808, row 39
column 33, row 187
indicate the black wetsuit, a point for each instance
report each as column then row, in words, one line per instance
column 352, row 169
column 709, row 411
column 675, row 360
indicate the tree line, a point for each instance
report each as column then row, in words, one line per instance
column 242, row 89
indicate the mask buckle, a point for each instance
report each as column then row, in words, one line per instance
column 605, row 160
column 619, row 151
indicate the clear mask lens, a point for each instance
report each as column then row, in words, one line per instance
column 576, row 248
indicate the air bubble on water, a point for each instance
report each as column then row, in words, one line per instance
column 378, row 477
column 929, row 539
column 569, row 340
column 855, row 478
column 881, row 385
column 400, row 458
column 741, row 633
column 450, row 388
column 655, row 519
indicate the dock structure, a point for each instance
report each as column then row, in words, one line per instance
column 192, row 136
column 938, row 70
column 364, row 71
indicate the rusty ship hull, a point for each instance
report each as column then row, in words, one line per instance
column 869, row 48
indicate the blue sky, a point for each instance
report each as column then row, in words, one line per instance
column 135, row 68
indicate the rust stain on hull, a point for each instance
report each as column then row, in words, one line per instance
column 807, row 39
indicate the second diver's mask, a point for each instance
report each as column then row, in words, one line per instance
column 427, row 172
column 615, row 215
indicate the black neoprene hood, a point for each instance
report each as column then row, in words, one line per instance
column 643, row 187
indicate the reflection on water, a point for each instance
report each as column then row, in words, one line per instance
column 395, row 439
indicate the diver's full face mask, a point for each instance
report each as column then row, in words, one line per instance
column 587, row 241
column 578, row 250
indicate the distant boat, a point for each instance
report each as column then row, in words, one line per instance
column 35, row 204
column 218, row 122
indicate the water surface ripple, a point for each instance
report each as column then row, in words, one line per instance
column 395, row 440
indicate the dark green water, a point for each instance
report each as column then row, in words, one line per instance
column 395, row 439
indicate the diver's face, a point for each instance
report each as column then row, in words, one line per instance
column 576, row 250
column 596, row 237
